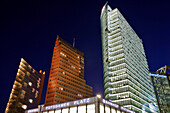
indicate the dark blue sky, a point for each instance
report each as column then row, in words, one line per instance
column 28, row 29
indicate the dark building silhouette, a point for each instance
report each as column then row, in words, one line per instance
column 27, row 89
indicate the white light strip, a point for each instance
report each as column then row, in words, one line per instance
column 118, row 76
column 119, row 93
column 135, row 73
column 116, row 56
column 133, row 106
column 117, row 88
column 112, row 21
column 114, row 40
column 138, row 87
column 118, row 82
column 139, row 83
column 128, row 99
column 132, row 89
column 112, row 44
column 111, row 24
column 117, row 65
column 135, row 68
column 130, row 93
column 141, row 94
column 113, row 52
column 113, row 72
column 113, row 14
column 115, row 35
column 114, row 30
column 114, row 48
column 117, row 61
column 120, row 100
column 157, row 75
column 139, row 80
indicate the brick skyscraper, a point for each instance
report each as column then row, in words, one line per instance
column 66, row 80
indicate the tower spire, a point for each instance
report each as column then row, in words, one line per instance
column 73, row 41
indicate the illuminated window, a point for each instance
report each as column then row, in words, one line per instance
column 118, row 111
column 107, row 109
column 73, row 67
column 36, row 94
column 63, row 54
column 24, row 106
column 73, row 110
column 91, row 108
column 30, row 83
column 30, row 100
column 22, row 96
column 33, row 90
column 25, row 84
column 33, row 71
column 79, row 95
column 22, row 92
column 65, row 110
column 38, row 84
column 61, row 88
column 82, row 109
column 101, row 108
column 113, row 110
column 51, row 111
column 58, row 111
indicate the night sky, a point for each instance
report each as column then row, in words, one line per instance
column 28, row 29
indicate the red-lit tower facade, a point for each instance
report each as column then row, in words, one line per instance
column 66, row 80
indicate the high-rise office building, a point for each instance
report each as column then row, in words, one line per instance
column 161, row 84
column 125, row 68
column 66, row 80
column 27, row 89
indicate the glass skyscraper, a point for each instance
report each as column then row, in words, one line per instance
column 125, row 68
column 161, row 84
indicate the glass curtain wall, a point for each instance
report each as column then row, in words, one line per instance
column 125, row 68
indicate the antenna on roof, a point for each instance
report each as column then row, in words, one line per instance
column 73, row 41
